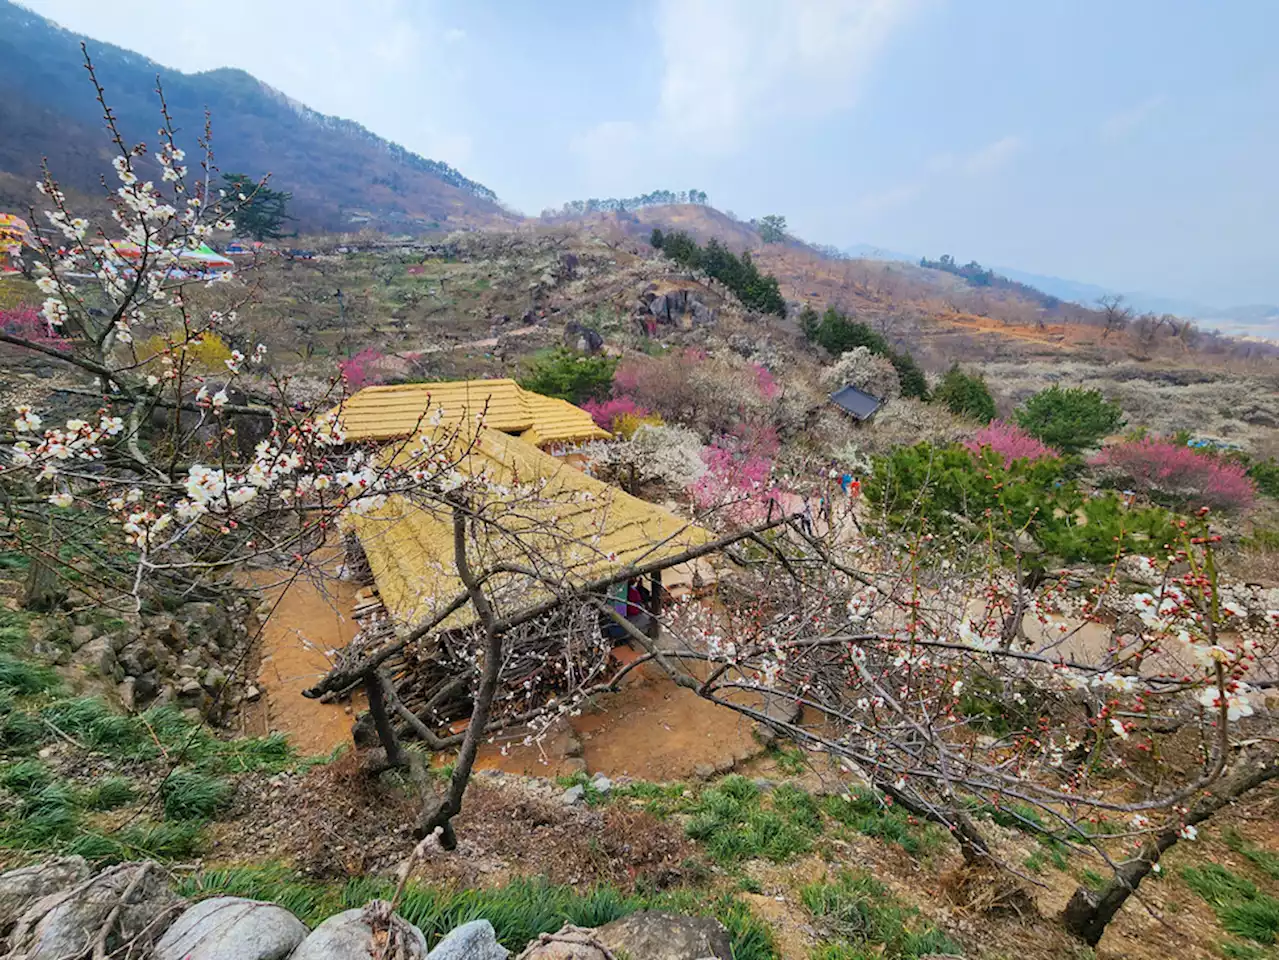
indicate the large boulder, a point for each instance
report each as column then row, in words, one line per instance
column 231, row 928
column 134, row 897
column 657, row 935
column 20, row 888
column 349, row 936
column 471, row 941
column 567, row 943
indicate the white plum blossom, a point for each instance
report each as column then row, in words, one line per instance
column 61, row 499
column 1188, row 832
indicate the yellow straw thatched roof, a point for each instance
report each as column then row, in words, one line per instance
column 387, row 413
column 541, row 514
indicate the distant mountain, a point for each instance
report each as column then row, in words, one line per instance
column 341, row 175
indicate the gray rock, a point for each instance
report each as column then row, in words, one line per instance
column 657, row 935
column 231, row 928
column 128, row 693
column 573, row 795
column 602, row 783
column 346, row 936
column 99, row 656
column 471, row 941
column 66, row 924
column 214, row 679
column 81, row 635
column 20, row 888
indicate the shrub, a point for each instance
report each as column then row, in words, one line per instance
column 606, row 413
column 945, row 488
column 571, row 376
column 1177, row 474
column 361, row 370
column 1010, row 441
column 1266, row 477
column 966, row 394
column 1071, row 420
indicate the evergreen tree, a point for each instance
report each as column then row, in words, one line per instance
column 966, row 395
column 773, row 228
column 263, row 214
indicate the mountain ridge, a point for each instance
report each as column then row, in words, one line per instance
column 340, row 173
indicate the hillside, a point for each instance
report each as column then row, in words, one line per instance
column 341, row 175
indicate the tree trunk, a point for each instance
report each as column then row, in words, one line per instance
column 1088, row 913
column 439, row 813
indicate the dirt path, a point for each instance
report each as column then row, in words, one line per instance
column 305, row 624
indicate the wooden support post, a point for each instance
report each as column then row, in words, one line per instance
column 655, row 605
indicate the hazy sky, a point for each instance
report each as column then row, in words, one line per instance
column 1132, row 144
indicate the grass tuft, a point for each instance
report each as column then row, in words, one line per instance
column 868, row 814
column 191, row 795
column 1241, row 908
column 1264, row 860
column 868, row 921
column 734, row 822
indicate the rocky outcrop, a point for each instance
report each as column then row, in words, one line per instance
column 58, row 912
column 184, row 657
column 657, row 935
column 471, row 941
column 20, row 888
column 126, row 904
column 678, row 308
column 232, row 928
column 582, row 338
column 349, row 935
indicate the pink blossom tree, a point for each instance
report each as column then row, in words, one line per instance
column 1174, row 471
column 1011, row 442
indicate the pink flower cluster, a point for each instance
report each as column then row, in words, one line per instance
column 765, row 382
column 606, row 412
column 738, row 481
column 1009, row 441
column 1152, row 465
column 361, row 370
column 26, row 322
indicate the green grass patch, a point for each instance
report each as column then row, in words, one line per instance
column 191, row 795
column 867, row 921
column 23, row 678
column 736, row 822
column 518, row 911
column 865, row 812
column 1264, row 860
column 108, row 794
column 1241, row 908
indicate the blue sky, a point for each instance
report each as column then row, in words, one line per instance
column 1131, row 145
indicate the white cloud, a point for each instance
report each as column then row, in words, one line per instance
column 992, row 157
column 1121, row 124
column 730, row 63
column 454, row 35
